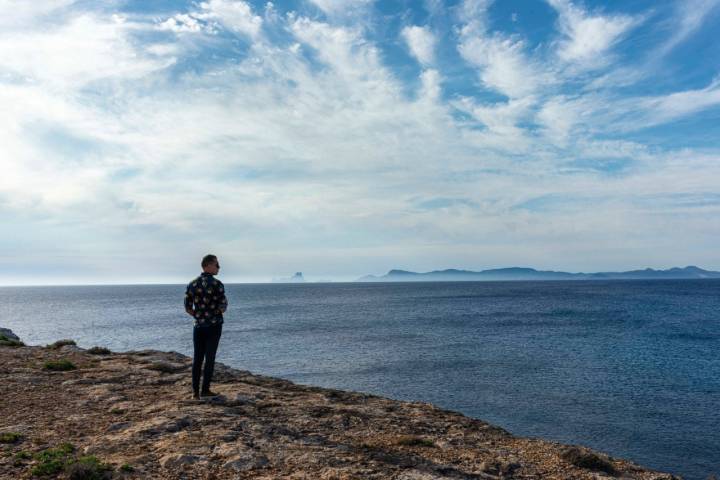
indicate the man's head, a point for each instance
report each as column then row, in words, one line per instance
column 210, row 264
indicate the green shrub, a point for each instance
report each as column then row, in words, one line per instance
column 23, row 455
column 47, row 467
column 62, row 459
column 10, row 342
column 61, row 343
column 126, row 467
column 117, row 411
column 53, row 460
column 88, row 468
column 98, row 351
column 9, row 437
column 413, row 441
column 59, row 365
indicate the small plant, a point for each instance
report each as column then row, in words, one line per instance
column 88, row 468
column 59, row 365
column 52, row 460
column 10, row 342
column 126, row 467
column 20, row 457
column 9, row 437
column 61, row 343
column 98, row 351
column 61, row 459
column 117, row 411
column 413, row 441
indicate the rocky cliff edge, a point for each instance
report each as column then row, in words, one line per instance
column 80, row 414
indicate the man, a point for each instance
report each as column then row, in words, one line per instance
column 205, row 300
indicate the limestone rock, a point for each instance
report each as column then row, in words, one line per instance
column 419, row 475
column 178, row 424
column 247, row 461
column 173, row 460
column 118, row 426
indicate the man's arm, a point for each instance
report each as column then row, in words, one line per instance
column 222, row 300
column 189, row 302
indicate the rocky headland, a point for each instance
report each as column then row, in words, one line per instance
column 67, row 412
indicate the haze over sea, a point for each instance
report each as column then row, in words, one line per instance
column 628, row 367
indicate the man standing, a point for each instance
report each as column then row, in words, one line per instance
column 205, row 300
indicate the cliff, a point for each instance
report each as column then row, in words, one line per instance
column 130, row 415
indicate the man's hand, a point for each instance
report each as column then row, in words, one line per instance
column 190, row 312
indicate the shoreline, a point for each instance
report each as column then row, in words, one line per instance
column 132, row 413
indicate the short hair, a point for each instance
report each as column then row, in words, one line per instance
column 208, row 260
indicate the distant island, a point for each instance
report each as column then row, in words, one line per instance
column 519, row 273
column 297, row 278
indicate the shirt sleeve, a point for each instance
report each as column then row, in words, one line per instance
column 188, row 299
column 222, row 300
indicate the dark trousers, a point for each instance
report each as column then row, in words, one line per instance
column 205, row 342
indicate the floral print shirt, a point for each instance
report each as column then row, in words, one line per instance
column 206, row 297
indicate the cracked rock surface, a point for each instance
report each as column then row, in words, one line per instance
column 135, row 408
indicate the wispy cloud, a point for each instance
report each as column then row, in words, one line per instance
column 341, row 7
column 421, row 43
column 655, row 110
column 102, row 48
column 688, row 17
column 236, row 16
column 588, row 37
column 501, row 60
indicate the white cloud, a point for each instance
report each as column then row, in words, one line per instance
column 343, row 48
column 501, row 60
column 19, row 14
column 588, row 37
column 336, row 7
column 501, row 118
column 502, row 63
column 431, row 84
column 688, row 17
column 85, row 49
column 665, row 108
column 421, row 43
column 471, row 11
column 558, row 116
column 185, row 23
column 234, row 15
column 607, row 113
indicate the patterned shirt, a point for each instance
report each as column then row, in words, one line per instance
column 206, row 297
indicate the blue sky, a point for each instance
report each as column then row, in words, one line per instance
column 347, row 137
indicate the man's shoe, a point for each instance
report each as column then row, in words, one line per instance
column 208, row 393
column 196, row 396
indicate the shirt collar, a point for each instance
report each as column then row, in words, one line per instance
column 206, row 274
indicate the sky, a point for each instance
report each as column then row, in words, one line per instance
column 347, row 137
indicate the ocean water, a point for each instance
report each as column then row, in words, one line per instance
column 631, row 368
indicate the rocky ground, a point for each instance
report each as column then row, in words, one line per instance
column 130, row 415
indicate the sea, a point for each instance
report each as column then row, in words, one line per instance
column 628, row 367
